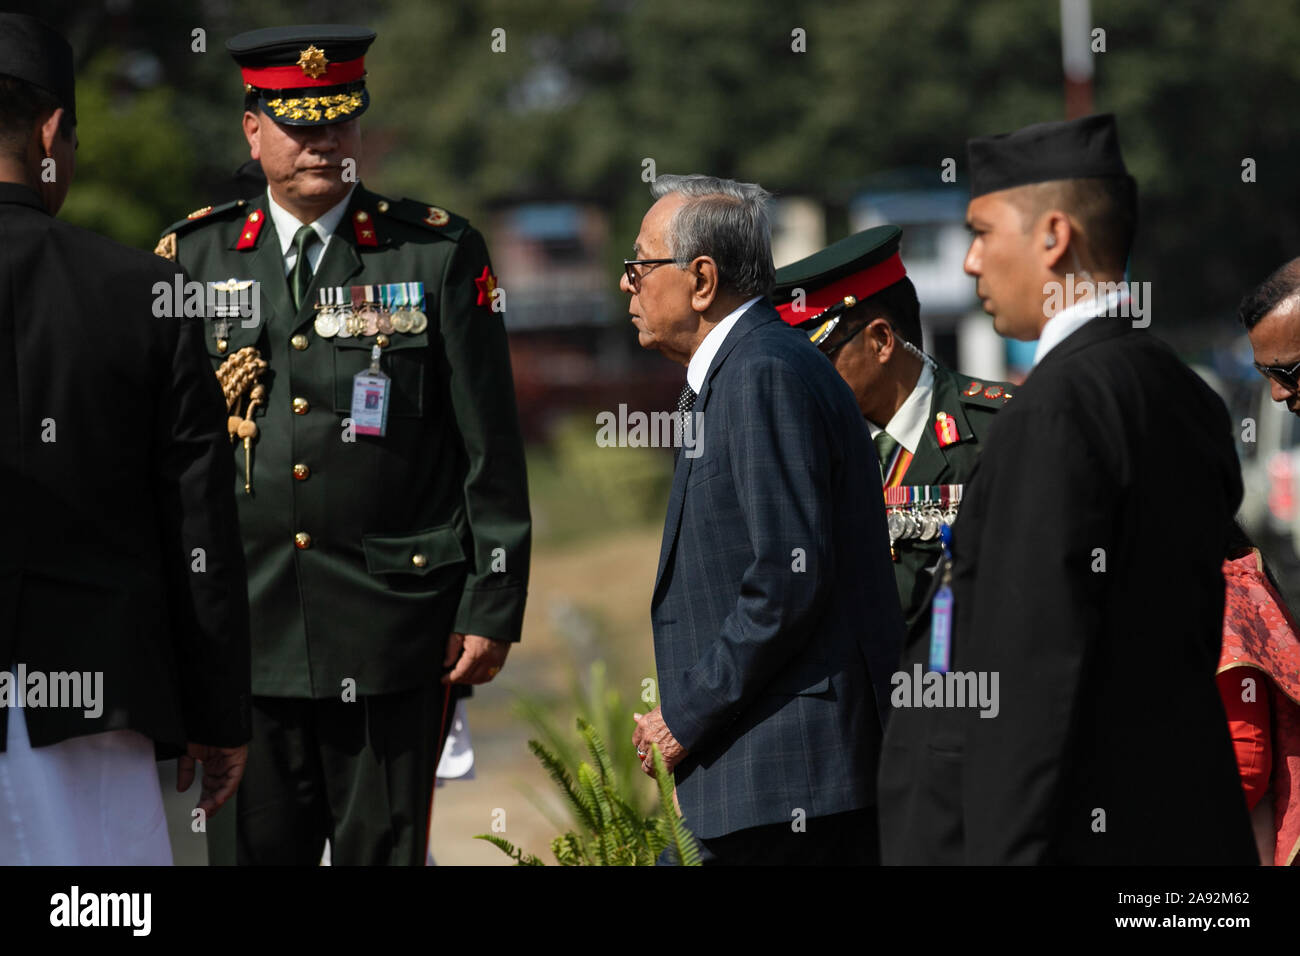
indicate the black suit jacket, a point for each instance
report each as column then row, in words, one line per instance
column 1087, row 556
column 775, row 609
column 115, row 469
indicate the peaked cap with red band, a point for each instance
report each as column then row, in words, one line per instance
column 306, row 75
column 837, row 278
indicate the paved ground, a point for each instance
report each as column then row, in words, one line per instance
column 586, row 602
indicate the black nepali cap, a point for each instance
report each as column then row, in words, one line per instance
column 309, row 75
column 1070, row 149
column 33, row 51
column 837, row 278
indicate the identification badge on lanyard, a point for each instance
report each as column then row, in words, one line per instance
column 941, row 611
column 370, row 398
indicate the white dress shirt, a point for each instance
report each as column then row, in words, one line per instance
column 703, row 357
column 1068, row 321
column 908, row 424
column 287, row 226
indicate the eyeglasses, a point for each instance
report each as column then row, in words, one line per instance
column 830, row 352
column 1284, row 376
column 633, row 277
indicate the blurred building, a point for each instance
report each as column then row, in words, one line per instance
column 572, row 345
column 932, row 216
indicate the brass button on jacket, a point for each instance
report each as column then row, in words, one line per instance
column 302, row 540
column 301, row 472
column 299, row 342
column 301, row 406
column 419, row 560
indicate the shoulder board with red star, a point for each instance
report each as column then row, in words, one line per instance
column 434, row 218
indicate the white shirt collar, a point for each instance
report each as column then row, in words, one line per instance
column 287, row 225
column 908, row 424
column 703, row 357
column 1068, row 321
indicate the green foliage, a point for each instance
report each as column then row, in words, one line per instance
column 603, row 708
column 510, row 850
column 611, row 831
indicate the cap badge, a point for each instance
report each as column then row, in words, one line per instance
column 313, row 62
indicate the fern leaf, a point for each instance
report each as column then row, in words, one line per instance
column 584, row 813
column 681, row 839
column 596, row 747
column 509, row 849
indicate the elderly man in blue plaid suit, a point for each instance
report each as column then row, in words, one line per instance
column 776, row 620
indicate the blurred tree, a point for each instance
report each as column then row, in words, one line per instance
column 585, row 91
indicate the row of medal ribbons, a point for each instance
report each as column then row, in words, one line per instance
column 916, row 512
column 394, row 307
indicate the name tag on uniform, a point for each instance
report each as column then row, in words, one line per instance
column 370, row 399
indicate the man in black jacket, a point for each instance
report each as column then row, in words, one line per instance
column 1086, row 575
column 123, row 604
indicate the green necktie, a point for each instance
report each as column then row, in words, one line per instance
column 301, row 278
column 885, row 448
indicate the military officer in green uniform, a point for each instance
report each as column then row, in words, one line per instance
column 858, row 306
column 381, row 484
column 928, row 424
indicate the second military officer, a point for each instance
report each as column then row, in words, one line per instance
column 928, row 423
column 381, row 482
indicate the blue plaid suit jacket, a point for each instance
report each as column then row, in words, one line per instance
column 775, row 614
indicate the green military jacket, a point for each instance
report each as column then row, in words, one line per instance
column 364, row 554
column 972, row 404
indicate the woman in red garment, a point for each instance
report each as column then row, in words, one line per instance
column 1259, row 681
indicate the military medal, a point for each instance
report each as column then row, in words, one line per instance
column 419, row 321
column 327, row 320
column 342, row 313
column 363, row 304
column 402, row 317
column 385, row 320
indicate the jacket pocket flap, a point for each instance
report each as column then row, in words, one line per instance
column 417, row 553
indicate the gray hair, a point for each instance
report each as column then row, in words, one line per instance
column 728, row 222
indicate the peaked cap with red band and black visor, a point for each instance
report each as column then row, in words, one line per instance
column 305, row 75
column 836, row 279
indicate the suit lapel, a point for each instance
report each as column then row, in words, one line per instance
column 758, row 314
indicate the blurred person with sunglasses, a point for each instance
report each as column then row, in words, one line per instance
column 1271, row 315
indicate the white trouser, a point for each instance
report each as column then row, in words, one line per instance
column 87, row 801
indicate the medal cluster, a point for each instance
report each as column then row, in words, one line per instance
column 918, row 512
column 396, row 307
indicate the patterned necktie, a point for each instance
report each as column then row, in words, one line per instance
column 685, row 402
column 886, row 445
column 300, row 279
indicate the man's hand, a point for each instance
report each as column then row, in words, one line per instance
column 651, row 729
column 223, row 768
column 477, row 659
